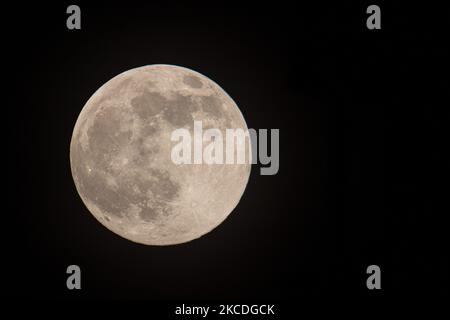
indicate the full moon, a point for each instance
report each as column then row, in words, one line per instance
column 120, row 156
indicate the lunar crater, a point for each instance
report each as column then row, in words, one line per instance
column 193, row 81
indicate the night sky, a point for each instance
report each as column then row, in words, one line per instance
column 363, row 179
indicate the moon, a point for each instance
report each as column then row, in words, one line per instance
column 120, row 156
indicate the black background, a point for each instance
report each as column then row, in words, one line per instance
column 362, row 117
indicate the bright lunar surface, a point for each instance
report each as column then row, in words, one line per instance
column 120, row 156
